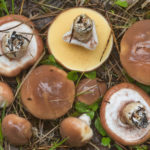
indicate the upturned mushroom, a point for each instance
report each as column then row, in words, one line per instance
column 48, row 93
column 16, row 130
column 6, row 95
column 125, row 114
column 20, row 45
column 90, row 90
column 135, row 51
column 89, row 30
column 77, row 131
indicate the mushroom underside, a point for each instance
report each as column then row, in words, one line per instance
column 113, row 109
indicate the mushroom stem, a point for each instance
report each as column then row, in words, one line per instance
column 82, row 28
column 14, row 45
column 85, row 118
column 134, row 114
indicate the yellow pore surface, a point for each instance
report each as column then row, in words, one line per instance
column 75, row 57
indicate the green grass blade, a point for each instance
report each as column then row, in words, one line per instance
column 4, row 6
column 13, row 8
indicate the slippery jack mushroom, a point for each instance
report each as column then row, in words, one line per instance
column 89, row 30
column 135, row 51
column 16, row 130
column 20, row 45
column 125, row 114
column 76, row 130
column 48, row 93
column 90, row 90
column 6, row 95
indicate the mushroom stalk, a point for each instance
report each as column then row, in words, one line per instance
column 86, row 119
column 14, row 45
column 82, row 28
column 134, row 114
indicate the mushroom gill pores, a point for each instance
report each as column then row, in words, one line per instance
column 75, row 57
column 125, row 114
column 48, row 93
column 20, row 46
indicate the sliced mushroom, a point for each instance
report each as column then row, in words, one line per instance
column 74, row 57
column 77, row 131
column 125, row 114
column 21, row 44
column 16, row 130
column 90, row 90
column 48, row 93
column 135, row 51
column 6, row 95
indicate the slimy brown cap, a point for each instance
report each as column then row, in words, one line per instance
column 6, row 95
column 135, row 51
column 16, row 130
column 48, row 93
column 90, row 90
column 77, row 132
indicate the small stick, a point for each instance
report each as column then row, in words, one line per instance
column 36, row 63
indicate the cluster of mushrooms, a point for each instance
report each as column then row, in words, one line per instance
column 82, row 44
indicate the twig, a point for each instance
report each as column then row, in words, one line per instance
column 36, row 63
column 39, row 140
column 106, row 45
column 97, row 148
column 21, row 9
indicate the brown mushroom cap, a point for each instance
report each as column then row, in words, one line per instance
column 75, row 57
column 48, row 93
column 6, row 95
column 115, row 99
column 20, row 24
column 90, row 90
column 77, row 132
column 135, row 51
column 17, row 130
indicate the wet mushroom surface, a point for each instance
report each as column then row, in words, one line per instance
column 48, row 93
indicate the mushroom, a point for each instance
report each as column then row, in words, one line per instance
column 20, row 45
column 48, row 93
column 90, row 90
column 83, row 32
column 6, row 95
column 125, row 114
column 76, row 130
column 16, row 130
column 77, row 57
column 135, row 51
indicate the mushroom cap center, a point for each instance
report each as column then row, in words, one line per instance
column 14, row 45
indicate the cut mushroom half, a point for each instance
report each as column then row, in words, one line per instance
column 16, row 130
column 48, row 93
column 75, row 57
column 20, row 45
column 125, row 114
column 90, row 90
column 6, row 95
column 135, row 51
column 76, row 130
